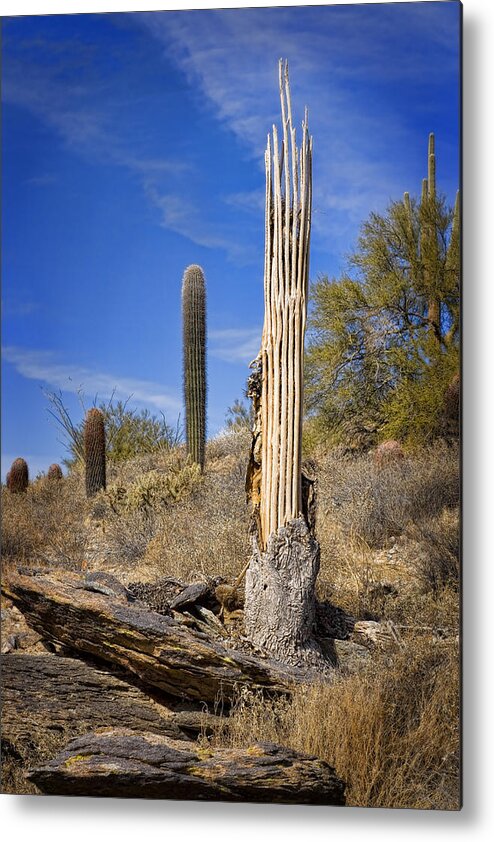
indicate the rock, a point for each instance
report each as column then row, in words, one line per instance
column 47, row 700
column 122, row 764
column 190, row 595
column 107, row 584
column 9, row 645
column 351, row 656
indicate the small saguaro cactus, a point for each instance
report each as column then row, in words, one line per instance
column 54, row 472
column 194, row 361
column 95, row 451
column 18, row 476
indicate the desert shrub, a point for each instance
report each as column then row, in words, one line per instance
column 160, row 512
column 391, row 732
column 131, row 511
column 129, row 432
column 239, row 416
column 45, row 525
column 374, row 502
column 438, row 562
column 235, row 441
column 206, row 534
column 154, row 489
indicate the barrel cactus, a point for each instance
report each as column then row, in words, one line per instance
column 18, row 476
column 95, row 451
column 194, row 361
column 54, row 472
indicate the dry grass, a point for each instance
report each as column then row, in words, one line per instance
column 389, row 548
column 44, row 525
column 207, row 534
column 375, row 502
column 391, row 732
column 389, row 535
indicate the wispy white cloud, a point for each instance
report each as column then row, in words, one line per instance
column 70, row 108
column 235, row 344
column 187, row 218
column 251, row 201
column 83, row 115
column 14, row 304
column 333, row 53
column 41, row 180
column 44, row 366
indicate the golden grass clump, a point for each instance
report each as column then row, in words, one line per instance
column 45, row 525
column 207, row 534
column 389, row 535
column 391, row 732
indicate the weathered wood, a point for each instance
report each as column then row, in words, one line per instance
column 48, row 699
column 192, row 594
column 119, row 763
column 286, row 265
column 280, row 612
column 163, row 652
column 280, row 582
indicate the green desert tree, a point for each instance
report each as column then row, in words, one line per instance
column 384, row 338
column 129, row 432
column 238, row 416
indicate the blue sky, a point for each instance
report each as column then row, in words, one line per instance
column 133, row 146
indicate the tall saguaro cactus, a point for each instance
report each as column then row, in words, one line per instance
column 434, row 309
column 280, row 580
column 95, row 451
column 194, row 361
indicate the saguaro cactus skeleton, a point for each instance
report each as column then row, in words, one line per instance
column 194, row 361
column 280, row 580
column 288, row 219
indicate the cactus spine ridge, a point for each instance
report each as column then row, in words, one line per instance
column 424, row 191
column 18, row 476
column 95, row 451
column 54, row 472
column 194, row 361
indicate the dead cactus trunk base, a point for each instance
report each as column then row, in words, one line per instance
column 280, row 612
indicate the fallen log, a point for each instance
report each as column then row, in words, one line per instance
column 121, row 764
column 163, row 652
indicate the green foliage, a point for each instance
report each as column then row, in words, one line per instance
column 155, row 489
column 238, row 416
column 384, row 338
column 194, row 361
column 129, row 433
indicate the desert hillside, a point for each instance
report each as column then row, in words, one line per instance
column 388, row 721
